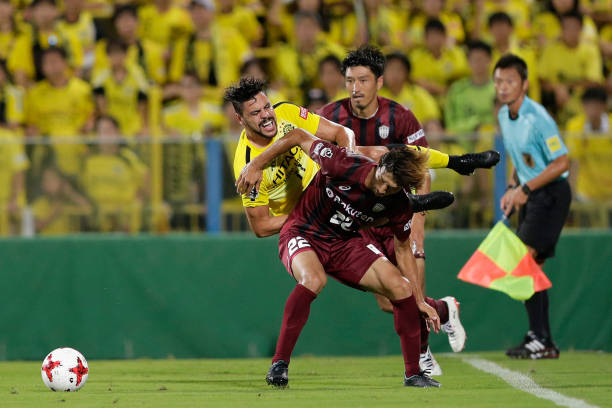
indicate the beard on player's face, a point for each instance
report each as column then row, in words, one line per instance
column 263, row 127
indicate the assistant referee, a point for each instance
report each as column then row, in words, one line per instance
column 539, row 191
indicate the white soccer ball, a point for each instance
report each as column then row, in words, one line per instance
column 64, row 369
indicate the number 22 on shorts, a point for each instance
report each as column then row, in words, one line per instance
column 296, row 243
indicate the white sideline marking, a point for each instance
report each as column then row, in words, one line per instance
column 526, row 384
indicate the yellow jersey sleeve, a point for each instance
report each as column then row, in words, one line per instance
column 298, row 116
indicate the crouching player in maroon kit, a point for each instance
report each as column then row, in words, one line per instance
column 321, row 237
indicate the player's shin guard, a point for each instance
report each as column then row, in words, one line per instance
column 408, row 326
column 295, row 317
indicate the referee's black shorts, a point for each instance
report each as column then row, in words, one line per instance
column 541, row 219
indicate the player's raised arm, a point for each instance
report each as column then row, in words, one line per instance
column 333, row 132
column 251, row 175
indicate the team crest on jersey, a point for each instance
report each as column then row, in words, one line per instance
column 303, row 113
column 383, row 131
column 344, row 188
column 378, row 207
column 288, row 127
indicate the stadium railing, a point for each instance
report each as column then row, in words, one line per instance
column 77, row 185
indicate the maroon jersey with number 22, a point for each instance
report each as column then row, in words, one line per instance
column 337, row 202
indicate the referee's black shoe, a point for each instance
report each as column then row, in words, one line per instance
column 421, row 380
column 435, row 200
column 278, row 374
column 467, row 163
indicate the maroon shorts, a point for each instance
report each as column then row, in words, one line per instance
column 381, row 237
column 344, row 260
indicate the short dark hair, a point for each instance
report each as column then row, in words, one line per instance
column 479, row 45
column 115, row 45
column 365, row 56
column 595, row 94
column 54, row 49
column 243, row 91
column 127, row 9
column 513, row 61
column 571, row 14
column 401, row 57
column 500, row 17
column 332, row 59
column 408, row 166
column 433, row 24
column 38, row 2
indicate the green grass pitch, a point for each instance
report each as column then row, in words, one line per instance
column 314, row 382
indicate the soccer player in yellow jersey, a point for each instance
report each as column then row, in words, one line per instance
column 60, row 107
column 287, row 176
column 121, row 92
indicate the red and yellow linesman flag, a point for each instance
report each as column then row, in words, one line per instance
column 503, row 263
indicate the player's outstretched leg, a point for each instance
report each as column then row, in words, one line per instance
column 435, row 200
column 453, row 327
column 465, row 164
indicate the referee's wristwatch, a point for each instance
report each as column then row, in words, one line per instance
column 525, row 189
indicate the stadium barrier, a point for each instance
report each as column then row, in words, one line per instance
column 165, row 184
column 186, row 296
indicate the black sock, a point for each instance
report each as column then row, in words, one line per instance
column 453, row 161
column 537, row 311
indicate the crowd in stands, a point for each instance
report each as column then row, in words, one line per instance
column 98, row 70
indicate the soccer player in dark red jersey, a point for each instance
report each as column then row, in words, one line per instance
column 378, row 121
column 321, row 237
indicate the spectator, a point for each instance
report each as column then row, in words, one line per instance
column 163, row 23
column 518, row 10
column 383, row 25
column 470, row 100
column 297, row 66
column 436, row 64
column 24, row 61
column 77, row 23
column 256, row 68
column 589, row 138
column 434, row 9
column 121, row 92
column 547, row 25
column 59, row 106
column 59, row 205
column 214, row 51
column 11, row 101
column 502, row 29
column 280, row 21
column 399, row 87
column 9, row 31
column 115, row 180
column 331, row 79
column 315, row 99
column 13, row 165
column 242, row 19
column 567, row 66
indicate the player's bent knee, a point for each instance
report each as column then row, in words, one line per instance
column 314, row 281
column 398, row 288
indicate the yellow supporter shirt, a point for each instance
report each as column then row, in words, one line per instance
column 593, row 155
column 242, row 19
column 547, row 26
column 225, row 51
column 452, row 22
column 113, row 180
column 289, row 174
column 12, row 160
column 180, row 118
column 145, row 54
column 163, row 28
column 83, row 30
column 7, row 42
column 123, row 98
column 519, row 12
column 418, row 100
column 42, row 208
column 451, row 65
column 560, row 64
column 11, row 101
column 60, row 112
column 21, row 57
